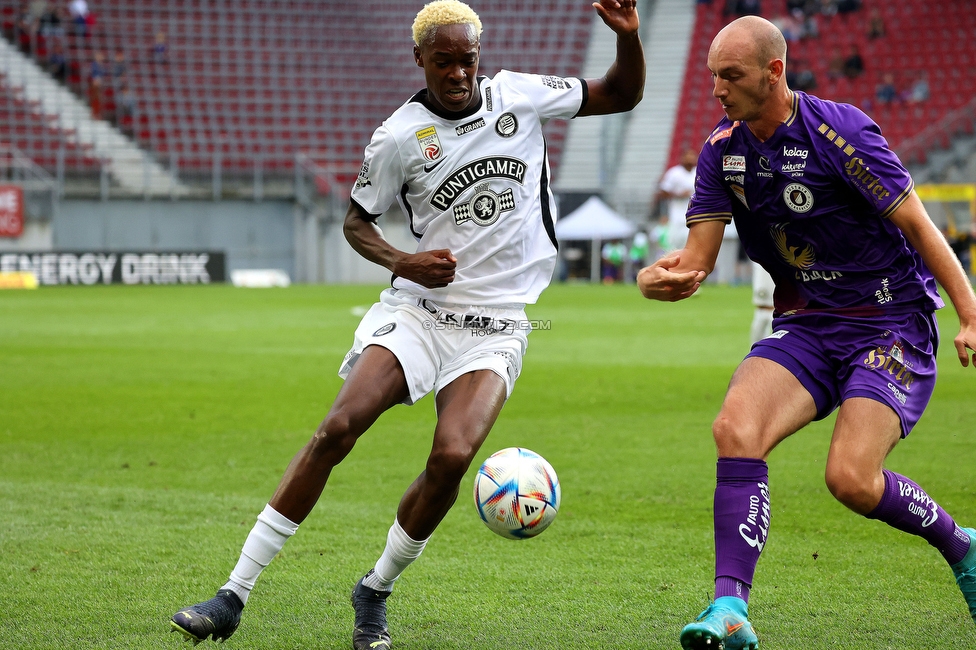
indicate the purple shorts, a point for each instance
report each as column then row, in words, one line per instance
column 888, row 358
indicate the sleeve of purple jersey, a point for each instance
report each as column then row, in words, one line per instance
column 869, row 166
column 710, row 202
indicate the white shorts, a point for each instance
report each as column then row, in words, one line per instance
column 435, row 343
column 762, row 287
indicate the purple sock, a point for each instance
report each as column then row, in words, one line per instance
column 741, row 512
column 908, row 508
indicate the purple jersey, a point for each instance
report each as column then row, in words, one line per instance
column 810, row 205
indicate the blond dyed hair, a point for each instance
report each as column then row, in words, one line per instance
column 443, row 12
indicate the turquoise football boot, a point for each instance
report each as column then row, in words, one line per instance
column 722, row 626
column 965, row 571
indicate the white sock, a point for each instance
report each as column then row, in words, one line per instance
column 267, row 537
column 762, row 324
column 400, row 551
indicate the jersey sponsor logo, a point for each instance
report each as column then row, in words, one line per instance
column 556, row 83
column 793, row 152
column 899, row 395
column 363, row 179
column 488, row 103
column 778, row 334
column 870, row 183
column 884, row 293
column 798, row 198
column 794, row 168
column 767, row 170
column 507, row 125
column 474, row 173
column 736, row 178
column 921, row 504
column 792, row 255
column 740, row 194
column 470, row 126
column 897, row 352
column 881, row 359
column 430, row 145
column 756, row 526
column 485, row 206
column 733, row 163
column 386, row 329
column 723, row 134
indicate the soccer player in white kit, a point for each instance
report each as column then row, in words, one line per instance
column 465, row 159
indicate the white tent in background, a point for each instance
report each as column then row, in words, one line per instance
column 597, row 222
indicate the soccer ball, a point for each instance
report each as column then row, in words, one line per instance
column 517, row 493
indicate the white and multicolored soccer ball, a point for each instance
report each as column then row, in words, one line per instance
column 517, row 493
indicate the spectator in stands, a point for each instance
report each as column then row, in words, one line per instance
column 78, row 9
column 26, row 27
column 809, row 24
column 886, row 92
column 98, row 69
column 919, row 91
column 119, row 66
column 748, row 8
column 828, row 7
column 125, row 107
column 96, row 83
column 57, row 64
column 854, row 63
column 835, row 66
column 876, row 24
column 486, row 250
column 804, row 78
column 788, row 26
column 848, row 6
column 51, row 23
column 160, row 50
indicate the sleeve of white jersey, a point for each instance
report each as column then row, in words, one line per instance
column 553, row 97
column 668, row 181
column 381, row 175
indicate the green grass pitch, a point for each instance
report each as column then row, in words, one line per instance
column 143, row 428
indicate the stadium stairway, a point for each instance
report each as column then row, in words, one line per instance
column 623, row 156
column 648, row 137
column 131, row 167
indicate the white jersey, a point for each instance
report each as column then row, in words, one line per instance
column 477, row 184
column 678, row 180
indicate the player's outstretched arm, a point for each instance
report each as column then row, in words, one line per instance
column 430, row 269
column 678, row 275
column 622, row 87
column 918, row 228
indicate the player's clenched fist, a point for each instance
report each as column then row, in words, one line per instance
column 428, row 268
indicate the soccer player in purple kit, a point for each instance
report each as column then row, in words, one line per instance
column 821, row 203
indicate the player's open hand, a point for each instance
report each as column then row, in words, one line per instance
column 431, row 269
column 659, row 282
column 965, row 343
column 619, row 15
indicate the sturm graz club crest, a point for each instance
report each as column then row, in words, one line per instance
column 485, row 206
column 507, row 125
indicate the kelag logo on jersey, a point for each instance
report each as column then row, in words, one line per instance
column 475, row 173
